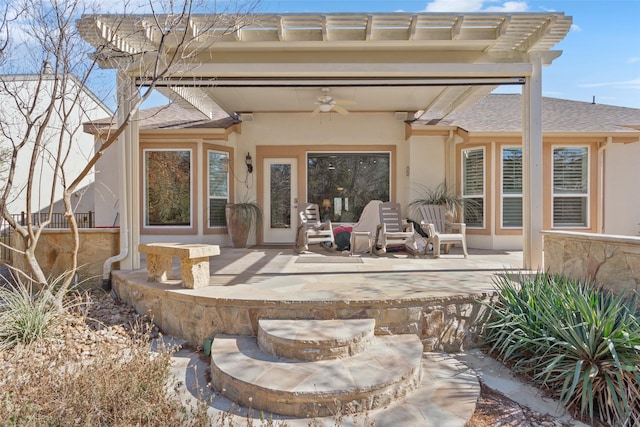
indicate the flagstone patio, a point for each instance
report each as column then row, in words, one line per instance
column 434, row 298
column 399, row 295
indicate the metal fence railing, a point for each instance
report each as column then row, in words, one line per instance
column 58, row 220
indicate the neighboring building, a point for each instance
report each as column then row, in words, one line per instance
column 338, row 109
column 37, row 90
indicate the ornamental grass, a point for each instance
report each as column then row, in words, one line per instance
column 577, row 341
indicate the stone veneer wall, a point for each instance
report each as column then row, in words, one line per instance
column 443, row 324
column 54, row 252
column 610, row 261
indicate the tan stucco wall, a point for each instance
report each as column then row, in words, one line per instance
column 54, row 253
column 610, row 261
column 621, row 192
column 426, row 166
column 355, row 129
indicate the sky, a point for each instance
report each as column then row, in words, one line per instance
column 601, row 53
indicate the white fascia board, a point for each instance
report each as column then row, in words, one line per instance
column 361, row 70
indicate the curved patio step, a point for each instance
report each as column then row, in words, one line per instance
column 386, row 371
column 311, row 340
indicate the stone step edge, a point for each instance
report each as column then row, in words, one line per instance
column 312, row 340
column 320, row 401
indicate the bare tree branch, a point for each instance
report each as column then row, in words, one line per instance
column 44, row 124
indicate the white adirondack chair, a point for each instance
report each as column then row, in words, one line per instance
column 392, row 231
column 311, row 229
column 441, row 231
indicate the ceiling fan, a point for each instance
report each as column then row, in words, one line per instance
column 326, row 103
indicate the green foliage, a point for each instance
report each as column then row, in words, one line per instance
column 579, row 342
column 440, row 195
column 26, row 316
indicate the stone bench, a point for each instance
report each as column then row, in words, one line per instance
column 194, row 262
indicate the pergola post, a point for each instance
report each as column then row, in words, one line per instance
column 532, row 166
column 129, row 208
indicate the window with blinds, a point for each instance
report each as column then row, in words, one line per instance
column 570, row 186
column 473, row 186
column 218, row 162
column 512, row 187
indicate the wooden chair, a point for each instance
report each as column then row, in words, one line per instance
column 392, row 231
column 311, row 229
column 441, row 231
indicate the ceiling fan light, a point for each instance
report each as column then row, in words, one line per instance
column 325, row 108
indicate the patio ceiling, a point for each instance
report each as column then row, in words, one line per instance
column 377, row 62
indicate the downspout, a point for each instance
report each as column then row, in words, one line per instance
column 601, row 171
column 450, row 175
column 126, row 91
column 124, row 224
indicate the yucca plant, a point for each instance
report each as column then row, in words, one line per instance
column 24, row 318
column 28, row 315
column 580, row 342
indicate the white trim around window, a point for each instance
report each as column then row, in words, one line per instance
column 218, row 187
column 167, row 215
column 474, row 186
column 570, row 190
column 511, row 187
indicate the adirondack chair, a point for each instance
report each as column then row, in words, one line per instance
column 391, row 231
column 311, row 229
column 441, row 231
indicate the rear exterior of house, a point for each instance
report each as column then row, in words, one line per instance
column 342, row 162
column 588, row 168
column 338, row 109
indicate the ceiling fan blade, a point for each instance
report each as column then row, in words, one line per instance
column 340, row 110
column 315, row 112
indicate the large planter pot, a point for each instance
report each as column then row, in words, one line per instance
column 240, row 217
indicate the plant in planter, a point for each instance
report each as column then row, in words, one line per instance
column 240, row 218
column 440, row 195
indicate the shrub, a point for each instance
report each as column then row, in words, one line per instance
column 579, row 342
column 25, row 316
column 114, row 389
column 70, row 374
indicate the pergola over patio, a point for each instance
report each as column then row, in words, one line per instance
column 413, row 63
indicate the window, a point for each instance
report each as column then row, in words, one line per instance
column 570, row 186
column 473, row 186
column 167, row 187
column 218, row 185
column 511, row 187
column 280, row 185
column 343, row 183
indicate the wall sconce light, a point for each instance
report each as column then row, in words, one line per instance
column 249, row 161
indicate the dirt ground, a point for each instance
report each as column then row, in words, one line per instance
column 495, row 409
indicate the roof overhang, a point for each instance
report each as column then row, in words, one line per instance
column 435, row 62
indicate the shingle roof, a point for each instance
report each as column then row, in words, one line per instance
column 503, row 113
column 173, row 116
